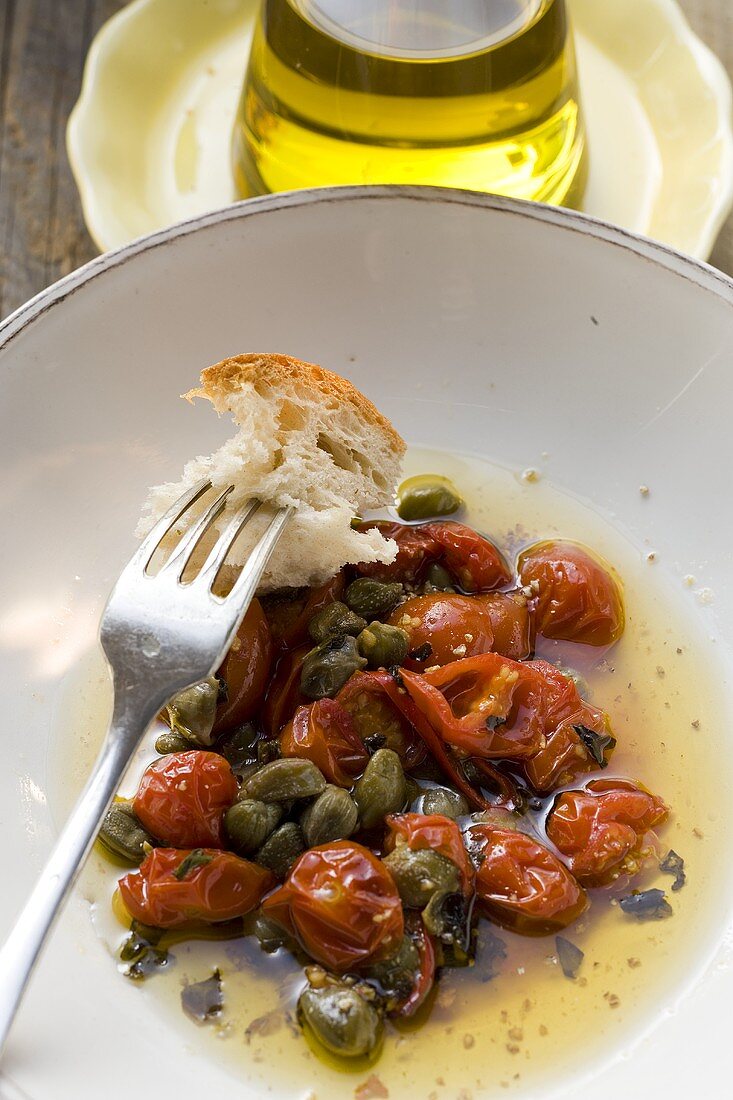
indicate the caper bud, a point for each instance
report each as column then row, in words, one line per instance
column 427, row 495
column 333, row 816
column 419, row 875
column 169, row 741
column 442, row 800
column 437, row 578
column 395, row 976
column 281, row 849
column 383, row 645
column 341, row 1019
column 122, row 833
column 372, row 599
column 327, row 667
column 248, row 824
column 270, row 934
column 192, row 712
column 447, row 916
column 281, row 780
column 381, row 789
column 334, row 621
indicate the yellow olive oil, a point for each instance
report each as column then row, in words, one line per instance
column 513, row 1023
column 475, row 94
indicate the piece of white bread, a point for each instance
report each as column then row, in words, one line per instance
column 308, row 438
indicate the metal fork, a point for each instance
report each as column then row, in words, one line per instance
column 159, row 635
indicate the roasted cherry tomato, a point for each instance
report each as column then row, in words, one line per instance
column 601, row 830
column 341, row 904
column 487, row 706
column 182, row 798
column 174, row 886
column 522, row 885
column 445, row 627
column 245, row 671
column 420, row 831
column 512, row 623
column 578, row 597
column 475, row 562
column 289, row 615
column 424, row 978
column 376, row 706
column 283, row 694
column 324, row 733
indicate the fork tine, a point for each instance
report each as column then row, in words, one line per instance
column 185, row 548
column 153, row 539
column 237, row 523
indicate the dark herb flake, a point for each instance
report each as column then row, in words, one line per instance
column 647, row 905
column 422, row 652
column 374, row 741
column 674, row 865
column 596, row 743
column 196, row 858
column 203, row 1001
column 569, row 956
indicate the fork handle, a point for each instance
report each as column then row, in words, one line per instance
column 22, row 948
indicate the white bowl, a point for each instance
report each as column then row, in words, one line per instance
column 528, row 335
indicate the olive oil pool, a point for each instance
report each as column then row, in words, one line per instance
column 476, row 94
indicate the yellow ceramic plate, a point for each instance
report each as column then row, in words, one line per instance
column 149, row 138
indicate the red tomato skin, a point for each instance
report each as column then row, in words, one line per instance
column 578, row 598
column 283, row 694
column 434, row 831
column 324, row 733
column 512, row 623
column 475, row 562
column 225, row 888
column 415, row 549
column 600, row 830
column 523, row 886
column 447, row 623
column 289, row 619
column 425, row 974
column 329, row 903
column 182, row 798
column 376, row 705
column 245, row 670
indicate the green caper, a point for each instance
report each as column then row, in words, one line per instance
column 281, row 849
column 248, row 824
column 383, row 645
column 419, row 875
column 443, row 800
column 327, row 667
column 333, row 816
column 372, row 599
column 122, row 833
column 447, row 916
column 427, row 495
column 381, row 789
column 268, row 932
column 438, row 579
column 334, row 621
column 395, row 976
column 281, row 780
column 341, row 1019
column 192, row 712
column 239, row 747
column 169, row 741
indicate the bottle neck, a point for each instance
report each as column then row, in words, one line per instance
column 421, row 28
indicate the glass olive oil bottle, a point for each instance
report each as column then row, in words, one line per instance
column 478, row 94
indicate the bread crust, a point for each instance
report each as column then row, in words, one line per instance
column 278, row 372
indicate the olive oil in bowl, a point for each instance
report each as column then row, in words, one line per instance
column 476, row 94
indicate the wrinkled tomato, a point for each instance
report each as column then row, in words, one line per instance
column 377, row 707
column 475, row 562
column 441, row 834
column 324, row 733
column 290, row 613
column 182, row 798
column 283, row 694
column 424, row 977
column 522, row 885
column 512, row 623
column 174, row 886
column 578, row 597
column 445, row 627
column 341, row 904
column 601, row 829
column 245, row 671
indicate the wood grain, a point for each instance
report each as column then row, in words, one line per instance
column 43, row 44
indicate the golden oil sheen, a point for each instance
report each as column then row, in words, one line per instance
column 476, row 94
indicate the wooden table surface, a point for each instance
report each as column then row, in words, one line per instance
column 43, row 44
